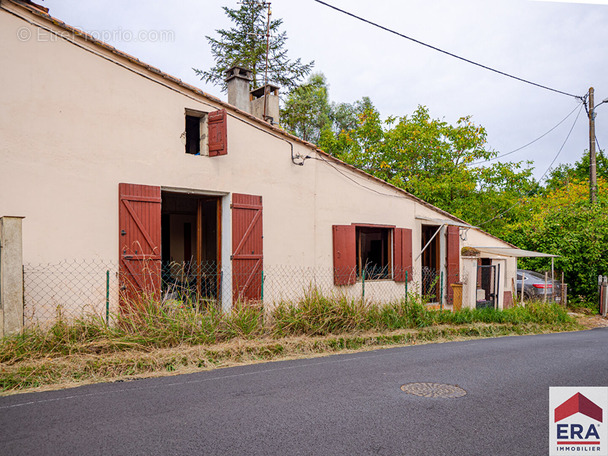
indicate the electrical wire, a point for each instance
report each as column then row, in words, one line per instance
column 526, row 145
column 498, row 215
column 323, row 159
column 445, row 52
column 563, row 144
column 543, row 176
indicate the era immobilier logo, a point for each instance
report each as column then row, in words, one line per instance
column 577, row 421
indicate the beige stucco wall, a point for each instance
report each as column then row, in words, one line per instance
column 75, row 125
column 77, row 120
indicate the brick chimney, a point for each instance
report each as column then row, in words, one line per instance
column 238, row 80
column 265, row 103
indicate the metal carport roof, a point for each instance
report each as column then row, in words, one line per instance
column 512, row 252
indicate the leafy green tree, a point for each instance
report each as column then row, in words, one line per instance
column 563, row 222
column 566, row 173
column 307, row 112
column 345, row 116
column 451, row 167
column 433, row 160
column 245, row 45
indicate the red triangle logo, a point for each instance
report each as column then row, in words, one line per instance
column 578, row 404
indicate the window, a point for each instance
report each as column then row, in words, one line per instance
column 193, row 135
column 206, row 133
column 196, row 132
column 373, row 252
column 384, row 252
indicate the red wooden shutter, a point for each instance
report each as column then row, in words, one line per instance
column 139, row 223
column 247, row 247
column 345, row 254
column 402, row 254
column 453, row 259
column 218, row 137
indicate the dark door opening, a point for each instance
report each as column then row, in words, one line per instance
column 487, row 283
column 430, row 262
column 191, row 247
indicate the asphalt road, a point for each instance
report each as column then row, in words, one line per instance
column 337, row 405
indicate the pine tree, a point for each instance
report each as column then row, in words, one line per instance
column 245, row 45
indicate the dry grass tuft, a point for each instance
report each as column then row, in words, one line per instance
column 153, row 339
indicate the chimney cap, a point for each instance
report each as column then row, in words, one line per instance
column 259, row 92
column 239, row 72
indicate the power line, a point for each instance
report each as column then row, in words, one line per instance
column 543, row 176
column 563, row 144
column 526, row 145
column 498, row 215
column 445, row 52
column 323, row 159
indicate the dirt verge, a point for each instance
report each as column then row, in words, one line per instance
column 76, row 370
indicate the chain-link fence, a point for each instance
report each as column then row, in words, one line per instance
column 72, row 289
column 69, row 289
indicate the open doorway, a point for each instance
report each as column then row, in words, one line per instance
column 430, row 262
column 191, row 247
column 487, row 283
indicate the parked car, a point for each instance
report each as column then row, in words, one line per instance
column 535, row 286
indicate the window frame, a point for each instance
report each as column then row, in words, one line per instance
column 203, row 131
column 387, row 249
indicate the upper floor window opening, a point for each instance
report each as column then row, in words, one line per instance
column 196, row 133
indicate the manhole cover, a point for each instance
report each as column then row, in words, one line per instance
column 433, row 390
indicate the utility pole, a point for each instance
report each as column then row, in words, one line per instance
column 592, row 161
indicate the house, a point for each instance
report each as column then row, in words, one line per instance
column 113, row 163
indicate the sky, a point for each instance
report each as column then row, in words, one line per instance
column 558, row 44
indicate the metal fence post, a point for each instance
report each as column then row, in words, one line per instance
column 262, row 287
column 220, row 290
column 107, row 297
column 363, row 285
column 406, row 278
column 441, row 291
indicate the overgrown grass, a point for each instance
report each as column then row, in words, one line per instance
column 581, row 304
column 151, row 325
column 75, row 370
column 155, row 338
